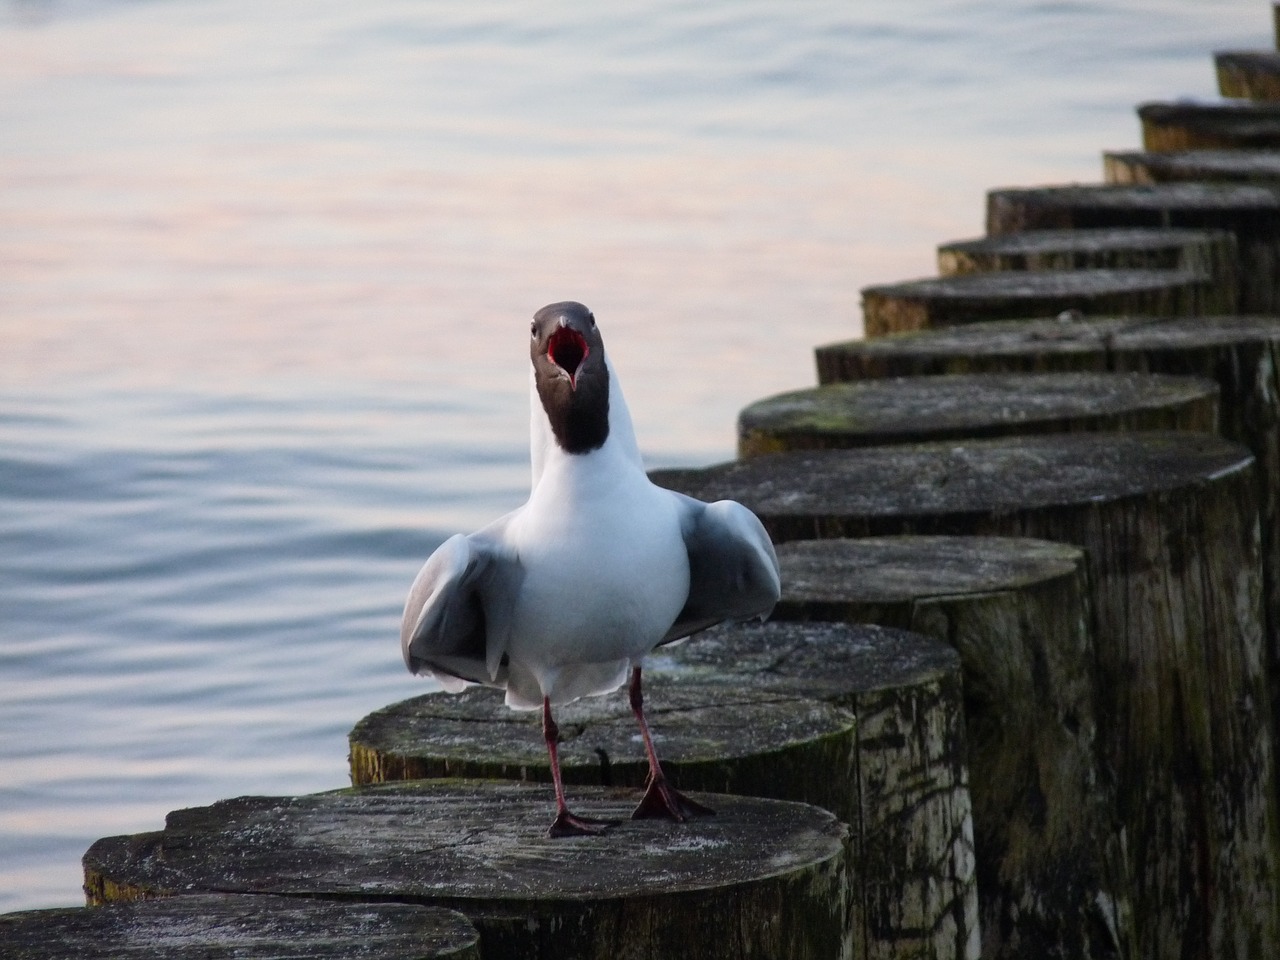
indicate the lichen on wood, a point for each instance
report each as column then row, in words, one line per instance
column 914, row 409
column 969, row 298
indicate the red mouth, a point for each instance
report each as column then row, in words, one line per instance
column 567, row 348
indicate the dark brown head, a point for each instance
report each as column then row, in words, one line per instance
column 571, row 375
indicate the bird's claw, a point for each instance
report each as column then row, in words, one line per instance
column 663, row 800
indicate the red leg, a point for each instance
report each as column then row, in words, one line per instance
column 660, row 798
column 565, row 824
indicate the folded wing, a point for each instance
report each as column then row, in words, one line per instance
column 733, row 570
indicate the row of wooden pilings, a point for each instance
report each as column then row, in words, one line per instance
column 1021, row 694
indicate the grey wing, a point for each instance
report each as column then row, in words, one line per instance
column 454, row 615
column 733, row 569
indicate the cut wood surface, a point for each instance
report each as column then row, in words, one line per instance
column 712, row 738
column 1248, row 74
column 1212, row 253
column 227, row 927
column 1169, row 522
column 1051, row 877
column 865, row 721
column 915, row 409
column 948, row 301
column 1241, row 353
column 1226, row 125
column 1250, row 211
column 1242, row 166
column 762, row 878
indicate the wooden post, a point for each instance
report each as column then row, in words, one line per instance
column 1261, row 167
column 1241, row 353
column 734, row 710
column 1211, row 253
column 262, row 928
column 762, row 878
column 1210, row 126
column 1249, row 211
column 1170, row 525
column 1248, row 74
column 914, row 409
column 1051, row 872
column 948, row 301
column 748, row 741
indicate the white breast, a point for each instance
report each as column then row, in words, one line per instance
column 605, row 573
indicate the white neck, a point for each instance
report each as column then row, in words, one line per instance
column 622, row 435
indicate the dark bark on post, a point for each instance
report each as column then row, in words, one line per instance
column 916, row 409
column 1261, row 167
column 776, row 710
column 261, row 928
column 949, row 301
column 1170, row 525
column 763, row 878
column 1051, row 877
column 1248, row 74
column 1250, row 211
column 1210, row 126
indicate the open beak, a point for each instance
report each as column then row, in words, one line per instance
column 567, row 348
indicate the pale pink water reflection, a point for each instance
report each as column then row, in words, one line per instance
column 702, row 267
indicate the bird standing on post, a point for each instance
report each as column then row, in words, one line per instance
column 563, row 597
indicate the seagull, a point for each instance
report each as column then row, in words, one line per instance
column 563, row 597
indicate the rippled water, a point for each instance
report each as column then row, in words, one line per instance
column 265, row 271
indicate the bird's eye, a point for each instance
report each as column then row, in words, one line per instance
column 533, row 330
column 592, row 318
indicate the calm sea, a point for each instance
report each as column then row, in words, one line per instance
column 266, row 271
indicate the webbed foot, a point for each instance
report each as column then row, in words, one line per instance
column 567, row 824
column 663, row 800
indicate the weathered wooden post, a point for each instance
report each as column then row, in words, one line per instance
column 914, row 409
column 1212, row 253
column 1170, row 524
column 1248, row 74
column 861, row 720
column 1051, row 873
column 1250, row 211
column 764, row 878
column 1260, row 167
column 948, row 301
column 748, row 740
column 1230, row 125
column 1241, row 353
column 205, row 926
